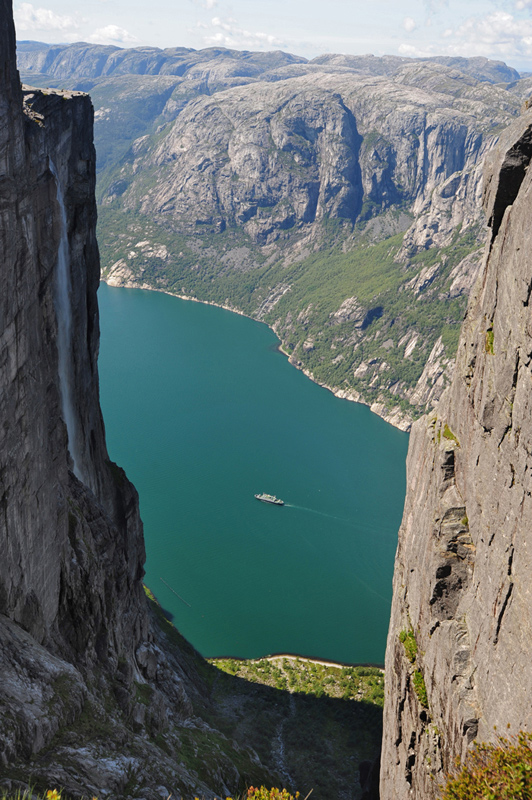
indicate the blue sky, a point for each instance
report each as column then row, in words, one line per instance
column 501, row 30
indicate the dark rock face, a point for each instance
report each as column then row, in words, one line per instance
column 75, row 637
column 463, row 564
column 72, row 550
column 39, row 492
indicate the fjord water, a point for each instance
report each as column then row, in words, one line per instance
column 203, row 412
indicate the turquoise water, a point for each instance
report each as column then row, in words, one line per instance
column 203, row 412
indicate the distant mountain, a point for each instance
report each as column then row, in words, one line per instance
column 335, row 199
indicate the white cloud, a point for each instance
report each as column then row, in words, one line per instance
column 409, row 24
column 498, row 34
column 432, row 6
column 411, row 51
column 208, row 4
column 227, row 33
column 523, row 4
column 112, row 34
column 36, row 20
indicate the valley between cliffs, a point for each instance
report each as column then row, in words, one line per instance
column 337, row 200
column 100, row 695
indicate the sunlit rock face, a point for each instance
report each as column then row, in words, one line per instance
column 463, row 565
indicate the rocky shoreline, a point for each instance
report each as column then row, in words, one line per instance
column 396, row 417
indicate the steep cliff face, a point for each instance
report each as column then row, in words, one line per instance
column 461, row 622
column 72, row 545
column 273, row 157
column 39, row 491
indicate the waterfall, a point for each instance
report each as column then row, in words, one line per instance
column 63, row 313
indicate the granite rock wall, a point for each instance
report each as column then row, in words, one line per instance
column 40, row 496
column 463, row 564
column 73, row 615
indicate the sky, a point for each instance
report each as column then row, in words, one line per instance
column 501, row 30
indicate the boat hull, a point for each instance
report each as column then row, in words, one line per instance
column 274, row 501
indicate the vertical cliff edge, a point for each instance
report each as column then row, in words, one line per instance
column 458, row 653
column 94, row 698
column 93, row 559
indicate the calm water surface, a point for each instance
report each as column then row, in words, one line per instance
column 203, row 412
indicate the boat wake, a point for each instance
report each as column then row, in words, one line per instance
column 315, row 511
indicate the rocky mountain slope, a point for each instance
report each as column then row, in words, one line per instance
column 458, row 655
column 337, row 199
column 100, row 695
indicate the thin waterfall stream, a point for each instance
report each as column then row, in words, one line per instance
column 63, row 312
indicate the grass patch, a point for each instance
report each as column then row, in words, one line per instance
column 311, row 678
column 448, row 434
column 143, row 693
column 408, row 640
column 420, row 688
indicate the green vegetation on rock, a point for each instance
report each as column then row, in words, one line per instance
column 490, row 336
column 501, row 771
column 448, row 434
column 408, row 640
column 310, row 677
column 420, row 688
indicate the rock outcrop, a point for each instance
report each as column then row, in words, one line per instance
column 458, row 654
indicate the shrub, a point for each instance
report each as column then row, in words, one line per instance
column 408, row 640
column 495, row 772
column 420, row 688
column 265, row 794
column 271, row 794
